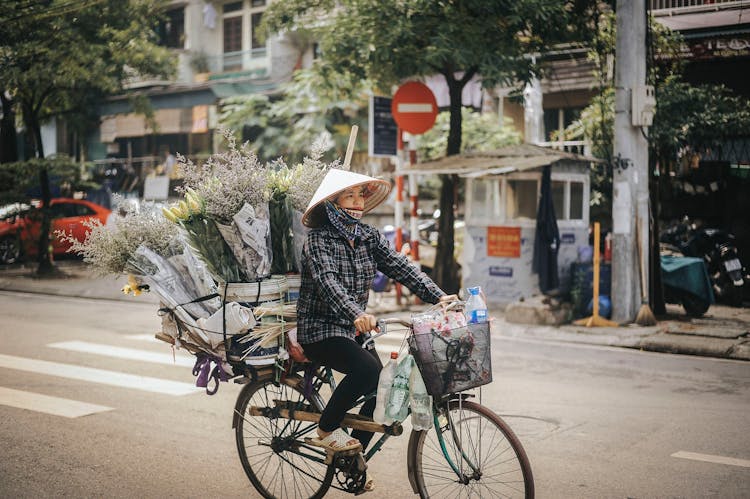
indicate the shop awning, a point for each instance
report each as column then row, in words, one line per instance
column 505, row 160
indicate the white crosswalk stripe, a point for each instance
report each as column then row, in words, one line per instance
column 100, row 376
column 178, row 359
column 50, row 405
column 59, row 406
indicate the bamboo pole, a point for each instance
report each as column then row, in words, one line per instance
column 350, row 147
column 353, row 421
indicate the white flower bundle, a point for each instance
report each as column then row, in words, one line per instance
column 109, row 248
column 227, row 180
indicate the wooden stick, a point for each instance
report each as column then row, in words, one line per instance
column 350, row 147
column 350, row 420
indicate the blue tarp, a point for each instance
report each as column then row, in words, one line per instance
column 687, row 274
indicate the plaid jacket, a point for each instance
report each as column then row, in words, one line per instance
column 336, row 280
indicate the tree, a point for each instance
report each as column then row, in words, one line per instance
column 307, row 107
column 388, row 41
column 59, row 58
column 687, row 118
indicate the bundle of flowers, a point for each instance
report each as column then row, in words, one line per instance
column 109, row 248
column 227, row 197
column 291, row 189
column 210, row 256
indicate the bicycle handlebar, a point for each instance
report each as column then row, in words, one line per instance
column 383, row 326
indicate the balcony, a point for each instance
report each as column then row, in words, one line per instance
column 245, row 63
column 572, row 146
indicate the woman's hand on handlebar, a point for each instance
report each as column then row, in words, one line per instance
column 446, row 300
column 364, row 323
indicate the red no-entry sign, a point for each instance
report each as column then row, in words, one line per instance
column 414, row 107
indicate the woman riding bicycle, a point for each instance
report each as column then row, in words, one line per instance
column 340, row 258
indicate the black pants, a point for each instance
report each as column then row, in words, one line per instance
column 362, row 369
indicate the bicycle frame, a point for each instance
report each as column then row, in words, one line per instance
column 325, row 376
column 436, row 427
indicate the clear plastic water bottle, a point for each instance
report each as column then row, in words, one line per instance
column 398, row 402
column 384, row 389
column 476, row 309
column 420, row 402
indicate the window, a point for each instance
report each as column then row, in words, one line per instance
column 558, row 198
column 233, row 34
column 576, row 201
column 558, row 119
column 521, row 199
column 485, row 199
column 254, row 23
column 171, row 29
column 65, row 210
column 241, row 42
column 568, row 199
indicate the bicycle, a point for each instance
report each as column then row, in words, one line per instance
column 470, row 451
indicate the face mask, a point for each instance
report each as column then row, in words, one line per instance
column 354, row 213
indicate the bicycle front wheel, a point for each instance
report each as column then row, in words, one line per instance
column 477, row 455
column 272, row 449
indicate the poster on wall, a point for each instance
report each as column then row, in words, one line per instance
column 504, row 242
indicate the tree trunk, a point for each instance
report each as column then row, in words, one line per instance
column 43, row 245
column 8, row 145
column 656, row 292
column 445, row 271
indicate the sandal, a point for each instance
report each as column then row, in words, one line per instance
column 369, row 483
column 335, row 441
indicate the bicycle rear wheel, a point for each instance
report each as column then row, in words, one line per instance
column 272, row 451
column 488, row 458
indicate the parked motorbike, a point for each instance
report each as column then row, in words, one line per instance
column 718, row 249
column 685, row 282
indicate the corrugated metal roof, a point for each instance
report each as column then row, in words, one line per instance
column 505, row 160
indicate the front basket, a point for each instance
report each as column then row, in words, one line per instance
column 455, row 360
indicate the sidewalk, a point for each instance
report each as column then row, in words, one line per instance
column 724, row 332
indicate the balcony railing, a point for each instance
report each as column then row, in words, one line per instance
column 657, row 5
column 573, row 146
column 238, row 61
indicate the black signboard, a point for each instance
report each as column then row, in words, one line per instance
column 383, row 130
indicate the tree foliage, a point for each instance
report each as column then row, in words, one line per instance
column 480, row 132
column 59, row 58
column 388, row 41
column 311, row 108
column 20, row 180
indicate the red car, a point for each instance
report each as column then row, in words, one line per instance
column 20, row 225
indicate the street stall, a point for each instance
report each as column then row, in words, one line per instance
column 503, row 189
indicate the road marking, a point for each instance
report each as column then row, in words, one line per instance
column 406, row 107
column 709, row 458
column 101, row 376
column 50, row 405
column 143, row 337
column 126, row 353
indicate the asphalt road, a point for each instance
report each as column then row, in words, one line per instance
column 596, row 422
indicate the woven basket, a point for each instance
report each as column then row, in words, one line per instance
column 273, row 288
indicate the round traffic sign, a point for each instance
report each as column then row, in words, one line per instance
column 414, row 107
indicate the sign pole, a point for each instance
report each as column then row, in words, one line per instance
column 414, row 229
column 399, row 204
column 414, row 110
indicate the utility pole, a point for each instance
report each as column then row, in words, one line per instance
column 633, row 111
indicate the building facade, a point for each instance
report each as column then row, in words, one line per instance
column 219, row 55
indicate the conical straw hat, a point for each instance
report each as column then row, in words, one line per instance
column 337, row 181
